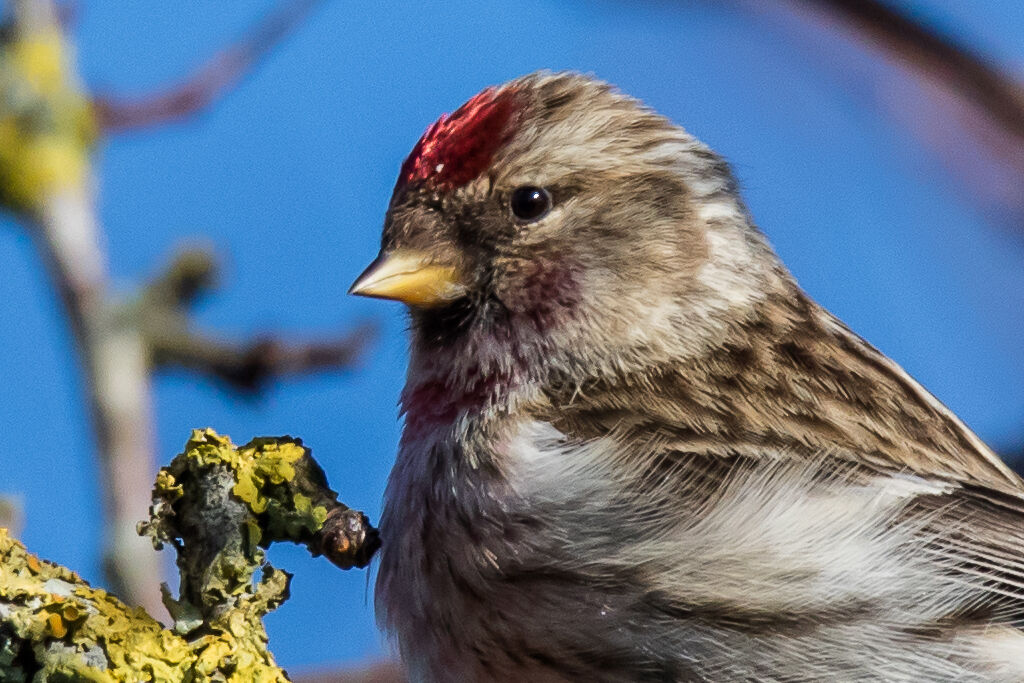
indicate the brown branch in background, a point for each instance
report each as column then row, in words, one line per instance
column 964, row 109
column 212, row 80
column 941, row 56
column 249, row 368
column 245, row 366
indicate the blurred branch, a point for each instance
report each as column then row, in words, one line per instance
column 212, row 80
column 48, row 127
column 967, row 111
column 33, row 17
column 12, row 514
column 250, row 367
column 45, row 176
column 955, row 64
column 247, row 366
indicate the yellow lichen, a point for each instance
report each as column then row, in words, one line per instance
column 136, row 647
column 167, row 485
column 47, row 124
column 40, row 58
column 56, row 624
column 261, row 468
column 262, row 462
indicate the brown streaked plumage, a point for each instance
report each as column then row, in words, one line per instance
column 634, row 449
column 791, row 377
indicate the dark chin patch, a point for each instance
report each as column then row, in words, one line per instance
column 499, row 343
column 443, row 327
column 542, row 296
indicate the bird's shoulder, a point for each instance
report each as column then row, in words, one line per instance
column 795, row 384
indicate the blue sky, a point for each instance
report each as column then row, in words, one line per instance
column 289, row 176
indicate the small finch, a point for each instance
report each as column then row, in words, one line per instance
column 635, row 450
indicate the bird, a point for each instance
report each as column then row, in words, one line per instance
column 634, row 449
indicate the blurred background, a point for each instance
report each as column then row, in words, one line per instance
column 890, row 184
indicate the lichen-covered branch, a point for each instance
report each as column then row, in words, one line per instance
column 219, row 506
column 54, row 626
column 229, row 503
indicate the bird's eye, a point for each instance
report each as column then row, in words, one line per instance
column 530, row 203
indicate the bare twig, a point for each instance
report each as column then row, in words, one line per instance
column 209, row 82
column 251, row 367
column 941, row 56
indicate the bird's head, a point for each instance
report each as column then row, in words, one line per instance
column 554, row 223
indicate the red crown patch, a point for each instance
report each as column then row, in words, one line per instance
column 460, row 146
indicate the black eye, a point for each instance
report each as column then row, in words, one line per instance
column 530, row 203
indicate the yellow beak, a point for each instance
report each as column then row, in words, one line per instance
column 411, row 277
